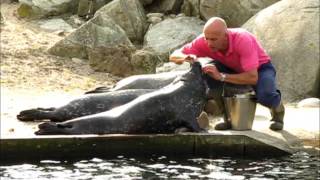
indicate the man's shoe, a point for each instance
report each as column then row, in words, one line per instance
column 276, row 126
column 277, row 117
column 225, row 125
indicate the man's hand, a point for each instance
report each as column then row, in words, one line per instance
column 212, row 71
column 190, row 58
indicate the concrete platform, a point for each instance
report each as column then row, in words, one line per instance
column 189, row 144
column 17, row 141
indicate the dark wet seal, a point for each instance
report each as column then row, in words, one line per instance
column 143, row 81
column 162, row 111
column 83, row 106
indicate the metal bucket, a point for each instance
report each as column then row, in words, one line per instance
column 240, row 111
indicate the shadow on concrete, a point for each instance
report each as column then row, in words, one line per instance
column 293, row 140
column 288, row 143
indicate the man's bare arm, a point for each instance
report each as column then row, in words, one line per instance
column 249, row 77
column 179, row 57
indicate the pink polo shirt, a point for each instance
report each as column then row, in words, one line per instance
column 244, row 53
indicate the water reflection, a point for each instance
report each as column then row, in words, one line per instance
column 297, row 166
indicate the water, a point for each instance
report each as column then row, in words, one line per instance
column 298, row 166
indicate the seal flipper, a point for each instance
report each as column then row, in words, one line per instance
column 182, row 130
column 32, row 114
column 194, row 126
column 37, row 114
column 50, row 128
column 102, row 89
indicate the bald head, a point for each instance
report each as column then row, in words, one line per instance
column 215, row 32
column 215, row 25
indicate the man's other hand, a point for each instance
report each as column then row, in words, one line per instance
column 212, row 71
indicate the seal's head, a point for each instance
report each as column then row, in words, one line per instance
column 194, row 74
column 195, row 79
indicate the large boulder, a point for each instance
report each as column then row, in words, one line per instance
column 100, row 31
column 123, row 60
column 129, row 15
column 289, row 31
column 114, row 59
column 44, row 8
column 235, row 12
column 144, row 61
column 170, row 34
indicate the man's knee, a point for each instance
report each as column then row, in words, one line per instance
column 269, row 99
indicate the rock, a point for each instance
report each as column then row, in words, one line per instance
column 294, row 49
column 89, row 7
column 9, row 1
column 114, row 59
column 191, row 8
column 170, row 66
column 235, row 12
column 101, row 31
column 75, row 21
column 1, row 19
column 78, row 61
column 99, row 4
column 155, row 18
column 171, row 34
column 129, row 15
column 181, row 15
column 60, row 33
column 146, row 2
column 55, row 25
column 40, row 8
column 123, row 61
column 85, row 8
column 159, row 15
column 165, row 6
column 309, row 103
column 144, row 62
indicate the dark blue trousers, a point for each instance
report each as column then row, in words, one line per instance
column 266, row 90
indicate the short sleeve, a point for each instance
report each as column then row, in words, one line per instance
column 195, row 47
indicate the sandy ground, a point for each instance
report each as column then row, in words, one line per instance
column 29, row 74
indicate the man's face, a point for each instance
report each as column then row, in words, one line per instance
column 215, row 41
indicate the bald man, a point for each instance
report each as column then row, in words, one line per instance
column 238, row 59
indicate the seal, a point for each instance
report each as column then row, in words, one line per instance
column 143, row 81
column 162, row 111
column 82, row 106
